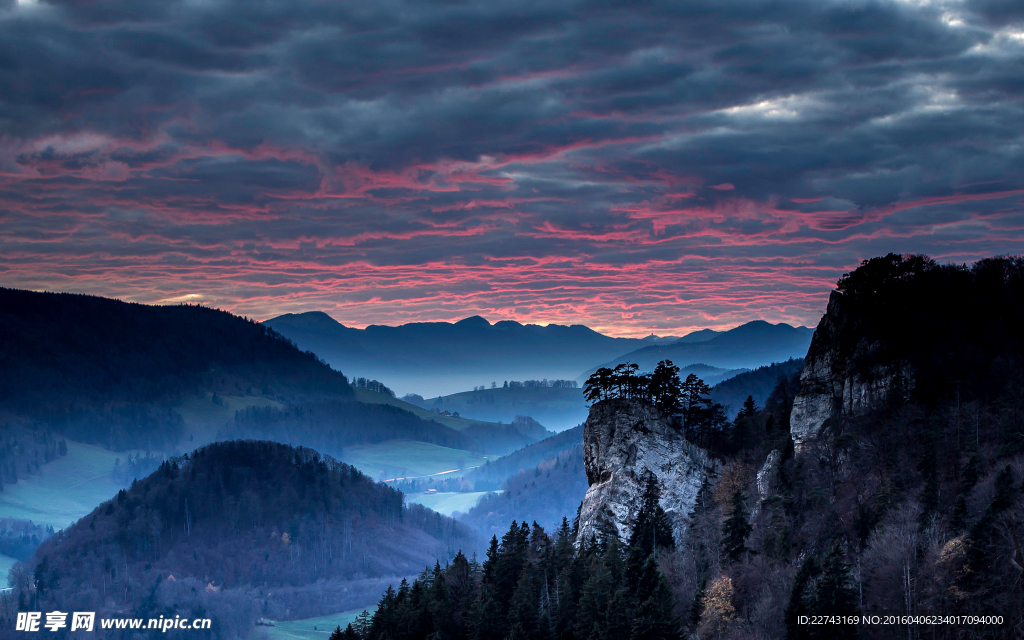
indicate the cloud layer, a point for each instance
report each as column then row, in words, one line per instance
column 637, row 168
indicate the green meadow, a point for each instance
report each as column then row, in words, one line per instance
column 64, row 490
column 204, row 417
column 446, row 502
column 372, row 397
column 309, row 629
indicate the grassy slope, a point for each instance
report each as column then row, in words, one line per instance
column 446, row 502
column 304, row 629
column 372, row 397
column 71, row 486
column 555, row 408
column 63, row 490
column 204, row 418
column 409, row 458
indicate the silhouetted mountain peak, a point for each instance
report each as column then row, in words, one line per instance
column 702, row 335
column 473, row 322
column 310, row 319
column 747, row 346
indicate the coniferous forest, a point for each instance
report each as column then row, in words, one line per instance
column 536, row 585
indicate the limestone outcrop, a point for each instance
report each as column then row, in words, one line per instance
column 624, row 441
column 831, row 387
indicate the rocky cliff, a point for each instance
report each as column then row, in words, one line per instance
column 842, row 377
column 623, row 441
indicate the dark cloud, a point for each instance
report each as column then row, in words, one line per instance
column 634, row 166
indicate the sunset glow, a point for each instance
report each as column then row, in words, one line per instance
column 634, row 169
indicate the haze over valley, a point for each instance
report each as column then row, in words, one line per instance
column 512, row 320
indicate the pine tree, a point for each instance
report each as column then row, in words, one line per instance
column 735, row 529
column 665, row 388
column 361, row 625
column 798, row 598
column 439, row 606
column 348, row 634
column 652, row 529
column 693, row 392
column 749, row 408
column 618, row 617
column 523, row 618
column 590, row 613
column 834, row 593
column 570, row 586
column 653, row 617
column 385, row 618
column 461, row 588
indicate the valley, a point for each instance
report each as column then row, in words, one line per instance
column 345, row 489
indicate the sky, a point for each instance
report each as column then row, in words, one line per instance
column 636, row 167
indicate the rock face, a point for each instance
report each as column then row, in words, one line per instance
column 830, row 387
column 623, row 441
column 767, row 477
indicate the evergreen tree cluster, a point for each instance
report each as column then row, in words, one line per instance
column 539, row 384
column 23, row 450
column 533, row 586
column 687, row 403
column 661, row 387
column 373, row 385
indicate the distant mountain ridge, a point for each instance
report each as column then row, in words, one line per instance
column 468, row 353
column 557, row 408
column 747, row 346
column 442, row 358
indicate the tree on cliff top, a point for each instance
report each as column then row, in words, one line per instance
column 662, row 387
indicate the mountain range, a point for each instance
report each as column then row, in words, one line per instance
column 556, row 406
column 441, row 358
column 747, row 346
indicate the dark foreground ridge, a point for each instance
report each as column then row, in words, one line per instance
column 104, row 371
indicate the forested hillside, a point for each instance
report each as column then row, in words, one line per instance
column 495, row 472
column 557, row 404
column 544, row 494
column 758, row 384
column 105, row 371
column 331, row 425
column 243, row 520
